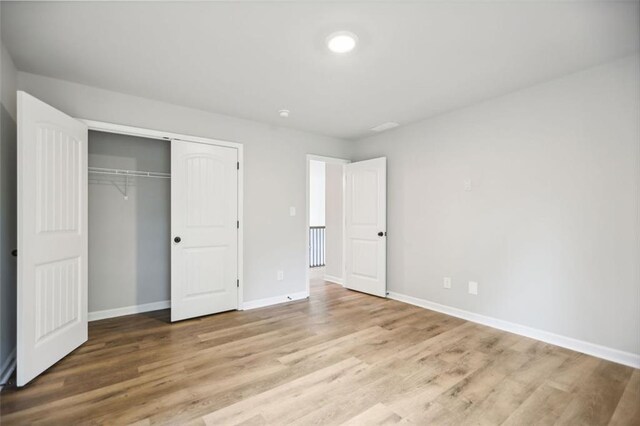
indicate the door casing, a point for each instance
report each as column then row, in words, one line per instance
column 332, row 160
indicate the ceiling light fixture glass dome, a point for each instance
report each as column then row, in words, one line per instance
column 342, row 42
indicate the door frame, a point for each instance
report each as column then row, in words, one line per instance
column 101, row 126
column 332, row 160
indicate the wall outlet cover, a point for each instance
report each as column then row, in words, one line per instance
column 280, row 275
column 446, row 283
column 473, row 287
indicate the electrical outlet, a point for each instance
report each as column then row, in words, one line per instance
column 447, row 282
column 292, row 211
column 467, row 185
column 280, row 275
column 473, row 287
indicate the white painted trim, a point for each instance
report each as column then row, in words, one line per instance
column 332, row 160
column 599, row 351
column 240, row 260
column 129, row 310
column 7, row 367
column 269, row 301
column 333, row 279
column 101, row 126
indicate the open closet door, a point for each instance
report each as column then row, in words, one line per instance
column 52, row 236
column 365, row 226
column 204, row 228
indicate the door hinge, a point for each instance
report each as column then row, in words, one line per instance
column 238, row 224
column 238, row 283
column 238, row 165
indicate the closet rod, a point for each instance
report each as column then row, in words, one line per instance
column 135, row 173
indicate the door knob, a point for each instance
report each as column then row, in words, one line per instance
column 380, row 234
column 177, row 239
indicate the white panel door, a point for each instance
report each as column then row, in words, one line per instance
column 52, row 236
column 204, row 217
column 365, row 226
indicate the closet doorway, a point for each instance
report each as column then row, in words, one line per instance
column 205, row 236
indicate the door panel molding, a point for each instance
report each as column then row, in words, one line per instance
column 204, row 215
column 52, row 317
column 365, row 226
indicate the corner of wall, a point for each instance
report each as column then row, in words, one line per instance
column 8, row 82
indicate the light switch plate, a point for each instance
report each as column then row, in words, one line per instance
column 446, row 283
column 292, row 211
column 473, row 287
column 280, row 275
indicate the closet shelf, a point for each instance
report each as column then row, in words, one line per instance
column 130, row 173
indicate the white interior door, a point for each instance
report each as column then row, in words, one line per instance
column 52, row 236
column 204, row 228
column 365, row 226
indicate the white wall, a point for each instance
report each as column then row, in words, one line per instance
column 129, row 239
column 8, row 232
column 551, row 227
column 274, row 171
column 316, row 193
column 334, row 221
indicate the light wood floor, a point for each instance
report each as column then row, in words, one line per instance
column 341, row 357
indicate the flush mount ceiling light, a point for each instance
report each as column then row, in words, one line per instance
column 284, row 113
column 342, row 42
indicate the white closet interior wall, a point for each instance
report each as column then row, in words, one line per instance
column 129, row 238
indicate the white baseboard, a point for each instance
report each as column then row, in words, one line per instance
column 165, row 304
column 610, row 354
column 7, row 368
column 261, row 303
column 333, row 279
column 129, row 310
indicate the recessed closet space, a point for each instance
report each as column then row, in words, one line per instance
column 129, row 223
column 118, row 220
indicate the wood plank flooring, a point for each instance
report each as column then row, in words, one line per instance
column 339, row 358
